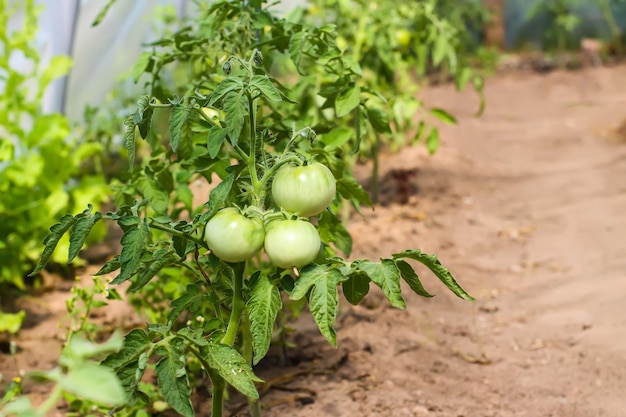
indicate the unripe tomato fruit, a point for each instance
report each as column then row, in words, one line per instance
column 304, row 190
column 233, row 237
column 290, row 243
column 403, row 37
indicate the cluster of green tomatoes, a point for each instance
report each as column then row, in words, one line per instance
column 302, row 191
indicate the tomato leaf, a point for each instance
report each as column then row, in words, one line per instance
column 332, row 230
column 159, row 260
column 81, row 230
column 173, row 381
column 233, row 367
column 177, row 121
column 56, row 233
column 411, row 278
column 94, row 383
column 349, row 189
column 235, row 109
column 378, row 119
column 143, row 116
column 129, row 141
column 356, row 287
column 432, row 141
column 443, row 115
column 193, row 335
column 432, row 263
column 135, row 343
column 141, row 65
column 265, row 86
column 263, row 305
column 215, row 139
column 218, row 197
column 150, row 189
column 385, row 275
column 110, row 266
column 323, row 297
column 229, row 85
column 191, row 300
column 347, row 100
column 136, row 234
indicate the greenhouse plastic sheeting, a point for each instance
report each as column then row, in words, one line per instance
column 520, row 29
column 104, row 53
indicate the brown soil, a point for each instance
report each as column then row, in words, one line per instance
column 526, row 207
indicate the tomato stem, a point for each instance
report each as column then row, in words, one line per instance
column 253, row 404
column 238, row 305
column 178, row 233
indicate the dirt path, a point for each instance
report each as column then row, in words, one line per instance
column 527, row 207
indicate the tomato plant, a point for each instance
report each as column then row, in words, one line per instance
column 244, row 296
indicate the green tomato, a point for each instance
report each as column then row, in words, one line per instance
column 232, row 236
column 304, row 190
column 403, row 37
column 290, row 243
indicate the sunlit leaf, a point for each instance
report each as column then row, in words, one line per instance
column 385, row 275
column 50, row 242
column 263, row 305
column 230, row 365
column 439, row 270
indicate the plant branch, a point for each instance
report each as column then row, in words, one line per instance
column 238, row 305
column 178, row 233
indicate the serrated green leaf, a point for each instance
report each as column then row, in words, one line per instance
column 150, row 189
column 130, row 375
column 443, row 115
column 135, row 343
column 411, row 278
column 356, row 287
column 323, row 296
column 140, row 65
column 432, row 140
column 338, row 136
column 332, row 230
column 349, row 189
column 159, row 260
column 133, row 245
column 21, row 407
column 347, row 100
column 230, row 365
column 50, row 242
column 441, row 272
column 80, row 231
column 129, row 141
column 263, row 306
column 229, row 85
column 379, row 119
column 386, row 276
column 94, row 383
column 11, row 322
column 235, row 110
column 191, row 298
column 265, row 86
column 143, row 116
column 215, row 140
column 218, row 197
column 174, row 383
column 110, row 266
column 193, row 335
column 177, row 121
column 81, row 348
